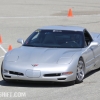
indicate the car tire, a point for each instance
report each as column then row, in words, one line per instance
column 80, row 73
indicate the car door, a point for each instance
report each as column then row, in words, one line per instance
column 96, row 50
column 89, row 53
column 89, row 59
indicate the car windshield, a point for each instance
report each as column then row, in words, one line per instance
column 55, row 39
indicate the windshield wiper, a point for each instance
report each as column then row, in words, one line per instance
column 46, row 46
column 30, row 45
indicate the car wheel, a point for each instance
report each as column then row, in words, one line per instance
column 80, row 71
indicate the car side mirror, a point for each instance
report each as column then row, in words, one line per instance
column 92, row 44
column 20, row 41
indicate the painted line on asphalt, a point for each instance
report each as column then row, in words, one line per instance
column 44, row 17
column 31, row 17
column 3, row 49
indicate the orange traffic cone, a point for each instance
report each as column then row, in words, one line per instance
column 0, row 39
column 10, row 47
column 70, row 14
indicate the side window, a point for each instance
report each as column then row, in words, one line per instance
column 88, row 38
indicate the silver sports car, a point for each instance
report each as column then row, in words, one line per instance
column 53, row 53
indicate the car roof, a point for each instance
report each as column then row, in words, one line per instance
column 72, row 28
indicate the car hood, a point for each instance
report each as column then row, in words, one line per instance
column 41, row 55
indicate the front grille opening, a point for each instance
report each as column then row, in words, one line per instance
column 52, row 75
column 16, row 73
column 7, row 76
column 61, row 78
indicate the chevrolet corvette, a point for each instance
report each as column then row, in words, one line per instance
column 53, row 53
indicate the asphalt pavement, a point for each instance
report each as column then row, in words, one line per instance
column 19, row 18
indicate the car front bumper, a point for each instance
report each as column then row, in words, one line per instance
column 57, row 73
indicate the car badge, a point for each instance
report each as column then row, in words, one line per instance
column 34, row 65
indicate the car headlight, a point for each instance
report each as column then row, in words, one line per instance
column 64, row 60
column 11, row 57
